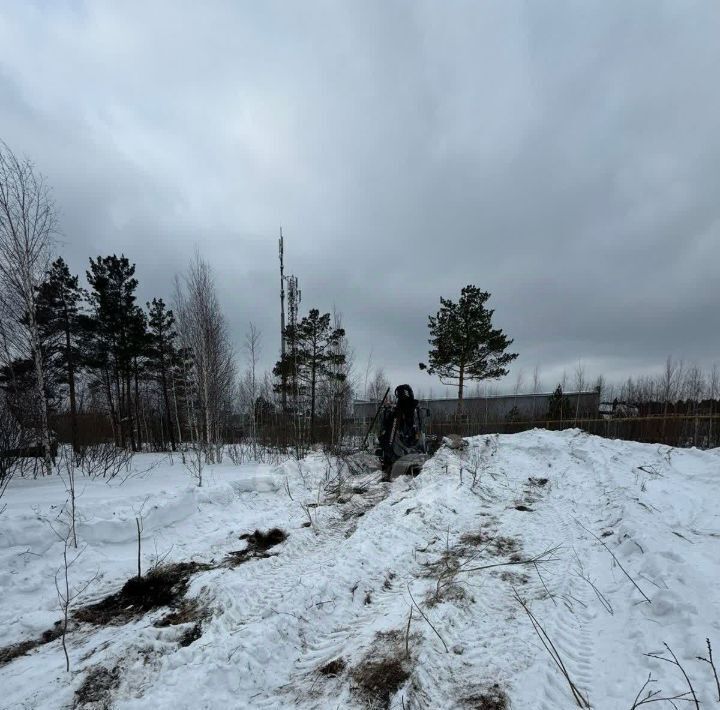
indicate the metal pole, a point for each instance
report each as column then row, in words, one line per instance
column 283, row 378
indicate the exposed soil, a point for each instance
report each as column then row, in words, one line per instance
column 538, row 481
column 377, row 681
column 258, row 544
column 189, row 610
column 490, row 698
column 96, row 690
column 265, row 540
column 524, row 508
column 163, row 586
column 383, row 670
column 15, row 650
column 190, row 635
column 514, row 577
column 333, row 668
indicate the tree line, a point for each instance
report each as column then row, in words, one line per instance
column 159, row 375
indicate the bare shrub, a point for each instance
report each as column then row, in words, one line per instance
column 12, row 440
column 711, row 662
column 104, row 460
column 674, row 661
column 194, row 459
column 67, row 593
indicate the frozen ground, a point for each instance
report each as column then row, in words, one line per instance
column 322, row 622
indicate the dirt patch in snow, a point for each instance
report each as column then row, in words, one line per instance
column 498, row 544
column 491, row 698
column 333, row 668
column 190, row 635
column 538, row 481
column 383, row 670
column 189, row 611
column 95, row 693
column 377, row 681
column 450, row 591
column 15, row 650
column 514, row 578
column 258, row 544
column 162, row 586
column 261, row 541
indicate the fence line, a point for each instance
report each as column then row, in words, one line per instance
column 700, row 430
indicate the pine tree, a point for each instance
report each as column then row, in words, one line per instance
column 116, row 331
column 162, row 354
column 559, row 406
column 312, row 358
column 464, row 345
column 55, row 303
column 59, row 300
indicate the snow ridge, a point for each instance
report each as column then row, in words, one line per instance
column 339, row 592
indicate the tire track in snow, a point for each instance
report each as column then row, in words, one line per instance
column 327, row 561
column 569, row 622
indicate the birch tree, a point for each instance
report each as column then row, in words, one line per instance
column 27, row 228
column 250, row 386
column 202, row 329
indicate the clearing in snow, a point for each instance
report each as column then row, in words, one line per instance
column 543, row 570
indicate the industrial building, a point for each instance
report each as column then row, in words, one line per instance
column 527, row 407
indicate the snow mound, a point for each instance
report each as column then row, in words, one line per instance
column 430, row 592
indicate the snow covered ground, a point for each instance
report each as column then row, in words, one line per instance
column 321, row 619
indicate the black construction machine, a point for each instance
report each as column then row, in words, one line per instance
column 402, row 444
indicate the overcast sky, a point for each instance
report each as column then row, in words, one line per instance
column 564, row 156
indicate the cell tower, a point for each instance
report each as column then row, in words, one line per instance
column 294, row 298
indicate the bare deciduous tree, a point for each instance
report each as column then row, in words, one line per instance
column 203, row 332
column 27, row 228
column 250, row 387
column 580, row 384
column 536, row 388
column 377, row 386
column 66, row 592
column 12, row 440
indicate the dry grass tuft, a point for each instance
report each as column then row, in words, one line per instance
column 491, row 698
column 162, row 586
column 378, row 681
column 96, row 690
column 15, row 650
column 383, row 670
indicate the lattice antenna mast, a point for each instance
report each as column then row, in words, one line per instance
column 294, row 298
column 282, row 321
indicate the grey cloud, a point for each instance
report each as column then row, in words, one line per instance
column 562, row 156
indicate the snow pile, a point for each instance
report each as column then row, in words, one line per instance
column 382, row 595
